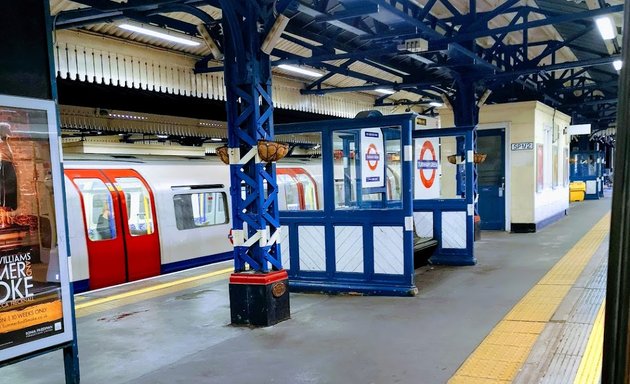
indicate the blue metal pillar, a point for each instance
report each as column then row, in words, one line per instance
column 255, row 217
column 466, row 114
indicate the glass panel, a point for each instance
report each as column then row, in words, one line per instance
column 303, row 166
column 367, row 168
column 138, row 200
column 97, row 205
column 452, row 179
column 288, row 193
column 195, row 210
column 310, row 192
column 490, row 172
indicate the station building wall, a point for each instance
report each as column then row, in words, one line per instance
column 529, row 205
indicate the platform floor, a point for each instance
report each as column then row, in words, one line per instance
column 175, row 329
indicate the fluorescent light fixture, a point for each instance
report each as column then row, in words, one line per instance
column 606, row 27
column 216, row 139
column 159, row 33
column 618, row 64
column 299, row 70
column 385, row 91
column 436, row 104
column 162, row 136
column 272, row 38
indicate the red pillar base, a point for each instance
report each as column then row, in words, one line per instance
column 259, row 299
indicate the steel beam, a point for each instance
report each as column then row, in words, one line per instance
column 360, row 11
column 569, row 17
column 365, row 88
column 555, row 67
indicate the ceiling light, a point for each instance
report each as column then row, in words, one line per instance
column 216, row 139
column 299, row 70
column 618, row 64
column 606, row 27
column 159, row 33
column 436, row 104
column 385, row 91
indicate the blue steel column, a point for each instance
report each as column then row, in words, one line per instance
column 466, row 114
column 255, row 216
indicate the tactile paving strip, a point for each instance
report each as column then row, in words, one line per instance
column 589, row 371
column 577, row 358
column 502, row 353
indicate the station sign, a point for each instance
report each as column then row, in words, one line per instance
column 372, row 158
column 35, row 309
column 427, row 168
column 526, row 146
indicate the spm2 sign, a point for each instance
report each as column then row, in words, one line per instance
column 372, row 158
column 523, row 146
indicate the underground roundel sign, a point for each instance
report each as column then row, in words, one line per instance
column 427, row 168
column 372, row 156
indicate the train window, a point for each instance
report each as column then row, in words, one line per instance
column 97, row 206
column 196, row 210
column 138, row 203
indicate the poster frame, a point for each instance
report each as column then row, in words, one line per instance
column 540, row 168
column 35, row 347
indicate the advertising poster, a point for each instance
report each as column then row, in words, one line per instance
column 31, row 275
column 427, row 168
column 372, row 158
column 540, row 177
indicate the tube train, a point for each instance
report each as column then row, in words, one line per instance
column 131, row 218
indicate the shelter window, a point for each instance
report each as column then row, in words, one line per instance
column 367, row 168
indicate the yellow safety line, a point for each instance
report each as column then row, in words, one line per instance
column 590, row 369
column 151, row 288
column 504, row 351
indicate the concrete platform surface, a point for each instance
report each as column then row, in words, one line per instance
column 183, row 335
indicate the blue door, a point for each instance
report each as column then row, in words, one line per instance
column 491, row 179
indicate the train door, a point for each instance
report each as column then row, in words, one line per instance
column 491, row 179
column 137, row 213
column 103, row 232
column 120, row 225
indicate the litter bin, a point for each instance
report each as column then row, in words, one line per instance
column 577, row 190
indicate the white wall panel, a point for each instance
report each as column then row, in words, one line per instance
column 388, row 250
column 454, row 230
column 349, row 249
column 312, row 248
column 423, row 223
